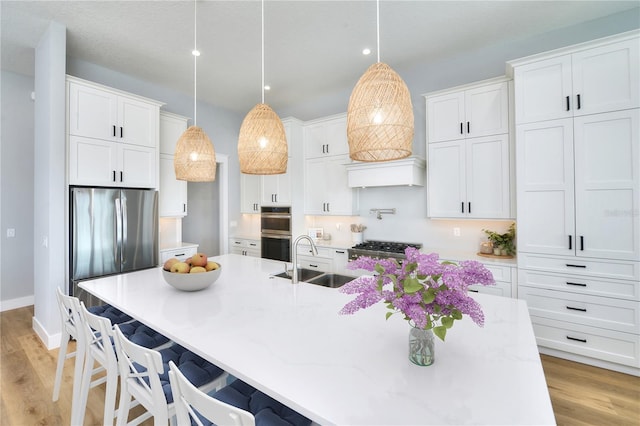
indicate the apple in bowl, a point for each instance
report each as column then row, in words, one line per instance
column 191, row 276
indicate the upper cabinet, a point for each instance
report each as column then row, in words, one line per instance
column 276, row 189
column 477, row 111
column 469, row 155
column 113, row 136
column 588, row 81
column 326, row 154
column 251, row 193
column 172, row 199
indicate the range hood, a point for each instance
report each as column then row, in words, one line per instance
column 405, row 172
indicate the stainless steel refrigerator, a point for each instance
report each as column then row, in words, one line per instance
column 112, row 231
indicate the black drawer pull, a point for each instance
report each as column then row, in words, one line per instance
column 569, row 265
column 114, row 130
column 121, row 132
column 469, row 207
column 581, row 243
column 461, row 128
column 567, row 103
column 570, row 245
column 114, row 175
column 313, row 266
column 120, row 176
column 578, row 101
column 473, row 291
column 462, row 206
column 571, row 308
column 339, row 251
column 576, row 339
column 577, row 284
column 178, row 254
column 468, row 128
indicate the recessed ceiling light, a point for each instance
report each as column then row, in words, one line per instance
column 195, row 52
column 267, row 87
column 366, row 51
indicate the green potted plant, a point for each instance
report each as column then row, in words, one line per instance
column 503, row 244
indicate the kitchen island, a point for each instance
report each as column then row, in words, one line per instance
column 289, row 341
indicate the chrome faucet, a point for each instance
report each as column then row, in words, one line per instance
column 314, row 251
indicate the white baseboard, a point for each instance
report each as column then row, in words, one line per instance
column 20, row 302
column 51, row 341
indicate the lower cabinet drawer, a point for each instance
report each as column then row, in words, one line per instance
column 500, row 273
column 180, row 254
column 607, row 345
column 602, row 268
column 623, row 289
column 596, row 311
column 499, row 289
column 315, row 262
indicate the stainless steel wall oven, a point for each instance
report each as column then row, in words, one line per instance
column 275, row 229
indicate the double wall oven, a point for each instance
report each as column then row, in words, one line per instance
column 275, row 233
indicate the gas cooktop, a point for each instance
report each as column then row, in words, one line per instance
column 381, row 249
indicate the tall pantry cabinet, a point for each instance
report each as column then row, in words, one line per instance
column 578, row 199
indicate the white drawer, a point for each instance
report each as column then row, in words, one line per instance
column 596, row 311
column 499, row 289
column 617, row 269
column 608, row 345
column 315, row 262
column 500, row 273
column 629, row 290
column 180, row 254
column 304, row 249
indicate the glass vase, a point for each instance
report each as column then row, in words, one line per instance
column 421, row 346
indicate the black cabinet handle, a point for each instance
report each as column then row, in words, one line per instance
column 575, row 266
column 576, row 284
column 570, row 245
column 313, row 266
column 468, row 128
column 120, row 131
column 461, row 131
column 340, row 251
column 567, row 103
column 114, row 130
column 469, row 211
column 576, row 339
column 327, row 148
column 571, row 308
column 462, row 206
column 120, row 176
column 473, row 291
column 328, row 207
column 184, row 208
column 114, row 175
column 578, row 101
column 581, row 243
column 179, row 254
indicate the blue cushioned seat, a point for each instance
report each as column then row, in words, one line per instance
column 266, row 410
column 142, row 335
column 194, row 368
column 115, row 315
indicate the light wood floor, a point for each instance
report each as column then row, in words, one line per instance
column 580, row 394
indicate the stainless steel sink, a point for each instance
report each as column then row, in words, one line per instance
column 331, row 280
column 303, row 274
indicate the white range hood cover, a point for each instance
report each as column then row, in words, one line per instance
column 405, row 172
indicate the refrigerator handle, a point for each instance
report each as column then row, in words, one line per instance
column 118, row 229
column 124, row 229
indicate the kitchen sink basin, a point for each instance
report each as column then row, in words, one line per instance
column 303, row 274
column 331, row 280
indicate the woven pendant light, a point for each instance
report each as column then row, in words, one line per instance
column 194, row 159
column 262, row 142
column 380, row 114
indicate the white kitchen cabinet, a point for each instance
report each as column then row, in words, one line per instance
column 326, row 189
column 250, row 193
column 107, row 114
column 102, row 163
column 590, row 80
column 181, row 253
column 469, row 178
column 578, row 186
column 276, row 189
column 326, row 137
column 340, row 262
column 578, row 189
column 473, row 112
column 173, row 195
column 326, row 180
column 245, row 247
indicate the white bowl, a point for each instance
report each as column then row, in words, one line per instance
column 192, row 282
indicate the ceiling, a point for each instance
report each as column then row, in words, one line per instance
column 311, row 47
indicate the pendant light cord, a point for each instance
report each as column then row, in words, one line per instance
column 262, row 25
column 195, row 61
column 378, row 27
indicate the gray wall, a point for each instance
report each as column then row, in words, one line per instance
column 16, row 143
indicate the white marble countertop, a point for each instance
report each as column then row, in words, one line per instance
column 289, row 341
